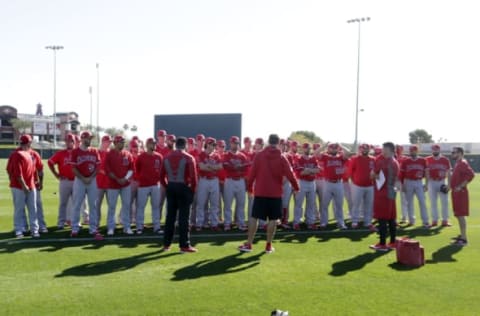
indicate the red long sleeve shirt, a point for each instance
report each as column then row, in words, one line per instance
column 190, row 174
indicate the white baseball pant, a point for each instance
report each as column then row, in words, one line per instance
column 65, row 191
column 142, row 196
column 362, row 201
column 20, row 201
column 125, row 198
column 332, row 190
column 307, row 192
column 208, row 191
column 415, row 187
column 435, row 193
column 80, row 190
column 234, row 189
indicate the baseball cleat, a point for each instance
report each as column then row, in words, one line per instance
column 392, row 245
column 446, row 224
column 188, row 249
column 246, row 247
column 110, row 232
column 434, row 223
column 227, row 227
column 44, row 230
column 19, row 235
column 74, row 234
column 97, row 236
column 380, row 247
column 128, row 231
column 269, row 248
column 36, row 234
column 296, row 226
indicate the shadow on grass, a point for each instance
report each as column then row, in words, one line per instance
column 230, row 264
column 445, row 254
column 419, row 231
column 341, row 268
column 401, row 267
column 112, row 266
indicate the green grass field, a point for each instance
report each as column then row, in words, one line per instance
column 311, row 273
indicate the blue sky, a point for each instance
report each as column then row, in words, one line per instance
column 286, row 65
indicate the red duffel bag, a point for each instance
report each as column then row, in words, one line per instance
column 409, row 252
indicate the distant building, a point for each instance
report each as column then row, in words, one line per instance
column 41, row 126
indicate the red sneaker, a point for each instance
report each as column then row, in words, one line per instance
column 354, row 225
column 434, row 223
column 227, row 228
column 97, row 236
column 188, row 249
column 379, row 247
column 214, row 228
column 312, row 227
column 392, row 245
column 296, row 226
column 285, row 226
column 446, row 224
column 74, row 234
column 246, row 247
column 269, row 248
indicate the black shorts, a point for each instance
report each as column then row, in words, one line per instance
column 267, row 207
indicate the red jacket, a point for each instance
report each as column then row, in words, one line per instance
column 268, row 169
column 174, row 159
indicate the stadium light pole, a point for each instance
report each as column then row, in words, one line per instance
column 54, row 48
column 359, row 21
column 98, row 102
column 91, row 106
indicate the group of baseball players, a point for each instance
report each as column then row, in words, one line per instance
column 87, row 175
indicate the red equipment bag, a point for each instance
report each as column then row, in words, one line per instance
column 409, row 252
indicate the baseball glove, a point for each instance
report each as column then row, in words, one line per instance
column 444, row 188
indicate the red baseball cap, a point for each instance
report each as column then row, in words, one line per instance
column 413, row 148
column 436, row 147
column 25, row 139
column 377, row 150
column 161, row 133
column 306, row 146
column 106, row 138
column 171, row 137
column 316, row 146
column 399, row 148
column 235, row 139
column 191, row 140
column 150, row 140
column 86, row 134
column 118, row 139
column 247, row 140
column 200, row 137
column 133, row 143
column 69, row 137
column 210, row 141
column 221, row 143
column 259, row 141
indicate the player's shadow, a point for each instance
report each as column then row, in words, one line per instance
column 206, row 268
column 113, row 266
column 445, row 254
column 341, row 268
column 296, row 237
column 353, row 235
column 419, row 232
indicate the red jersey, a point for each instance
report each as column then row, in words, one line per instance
column 102, row 178
column 461, row 172
column 333, row 167
column 163, row 150
column 195, row 153
column 346, row 175
column 21, row 164
column 208, row 159
column 118, row 163
column 235, row 165
column 222, row 174
column 268, row 169
column 63, row 159
column 148, row 169
column 86, row 161
column 321, row 168
column 360, row 168
column 303, row 163
column 438, row 167
column 384, row 204
column 171, row 165
column 413, row 169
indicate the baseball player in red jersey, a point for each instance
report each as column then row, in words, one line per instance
column 319, row 177
column 119, row 168
column 208, row 189
column 257, row 147
column 287, row 192
column 190, row 145
column 22, row 174
column 400, row 157
column 102, row 177
column 147, row 166
column 438, row 170
column 360, row 169
column 235, row 164
column 134, row 148
column 412, row 173
column 347, row 189
column 164, row 151
column 37, row 160
column 462, row 175
column 200, row 143
column 306, row 167
column 334, row 168
column 85, row 162
column 384, row 206
column 62, row 160
column 83, row 210
column 220, row 151
column 161, row 140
